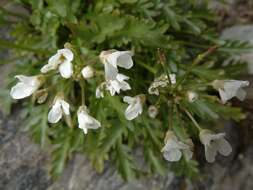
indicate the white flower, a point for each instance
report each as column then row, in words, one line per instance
column 159, row 82
column 87, row 72
column 174, row 149
column 230, row 88
column 26, row 86
column 119, row 83
column 152, row 111
column 61, row 60
column 100, row 90
column 192, row 96
column 59, row 108
column 135, row 106
column 85, row 121
column 172, row 78
column 112, row 59
column 214, row 143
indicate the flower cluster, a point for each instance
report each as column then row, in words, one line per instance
column 62, row 61
column 114, row 82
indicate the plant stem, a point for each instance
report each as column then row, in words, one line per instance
column 11, row 45
column 82, row 85
column 196, row 61
column 192, row 118
column 170, row 116
column 162, row 60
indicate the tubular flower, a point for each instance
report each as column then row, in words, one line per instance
column 59, row 108
column 214, row 143
column 230, row 88
column 62, row 60
column 85, row 121
column 174, row 149
column 26, row 86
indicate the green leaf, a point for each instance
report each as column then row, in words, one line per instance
column 124, row 162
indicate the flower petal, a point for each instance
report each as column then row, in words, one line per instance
column 121, row 77
column 65, row 107
column 224, row 147
column 53, row 63
column 210, row 153
column 110, row 71
column 85, row 121
column 187, row 154
column 66, row 69
column 67, row 53
column 132, row 111
column 21, row 90
column 55, row 114
column 172, row 155
column 241, row 94
column 124, row 59
column 128, row 99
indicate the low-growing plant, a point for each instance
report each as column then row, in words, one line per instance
column 107, row 77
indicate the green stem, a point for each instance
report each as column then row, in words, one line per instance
column 82, row 85
column 171, row 116
column 11, row 45
column 162, row 60
column 150, row 69
column 192, row 118
column 196, row 61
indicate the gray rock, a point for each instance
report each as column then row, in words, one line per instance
column 22, row 162
column 243, row 33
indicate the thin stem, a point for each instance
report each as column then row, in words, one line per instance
column 170, row 116
column 196, row 61
column 11, row 45
column 82, row 85
column 162, row 60
column 150, row 69
column 192, row 118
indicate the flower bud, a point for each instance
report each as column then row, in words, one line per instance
column 152, row 111
column 87, row 72
column 40, row 96
column 192, row 96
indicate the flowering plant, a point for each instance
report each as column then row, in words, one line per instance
column 107, row 77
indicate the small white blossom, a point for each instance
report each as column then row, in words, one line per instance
column 26, row 86
column 192, row 96
column 59, row 108
column 117, row 84
column 135, row 106
column 230, row 88
column 87, row 72
column 214, row 143
column 173, row 78
column 152, row 111
column 159, row 82
column 174, row 149
column 62, row 60
column 85, row 121
column 112, row 59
